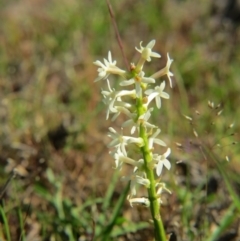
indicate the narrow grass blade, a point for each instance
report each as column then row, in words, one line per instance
column 107, row 231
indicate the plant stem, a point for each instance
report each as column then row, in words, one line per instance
column 152, row 195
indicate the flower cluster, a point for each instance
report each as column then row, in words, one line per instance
column 134, row 104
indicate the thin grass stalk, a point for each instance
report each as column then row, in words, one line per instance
column 116, row 212
column 5, row 222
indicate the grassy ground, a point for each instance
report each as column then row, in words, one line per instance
column 53, row 128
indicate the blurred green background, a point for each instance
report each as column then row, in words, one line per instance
column 54, row 133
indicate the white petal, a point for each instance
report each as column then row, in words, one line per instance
column 159, row 168
column 167, row 164
column 151, row 44
column 110, row 56
column 155, row 55
column 158, row 102
column 148, row 92
column 167, row 153
column 165, row 95
column 127, row 82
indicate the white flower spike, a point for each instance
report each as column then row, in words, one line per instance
column 132, row 100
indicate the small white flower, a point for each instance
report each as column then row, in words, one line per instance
column 146, row 52
column 131, row 122
column 112, row 98
column 157, row 94
column 161, row 161
column 143, row 120
column 165, row 71
column 135, row 180
column 138, row 80
column 108, row 98
column 160, row 188
column 117, row 155
column 118, row 104
column 120, row 141
column 109, row 67
column 121, row 107
column 120, row 158
column 152, row 139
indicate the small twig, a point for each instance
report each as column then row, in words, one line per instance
column 117, row 34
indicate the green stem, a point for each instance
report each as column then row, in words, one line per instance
column 152, row 194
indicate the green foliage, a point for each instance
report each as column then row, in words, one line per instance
column 96, row 217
